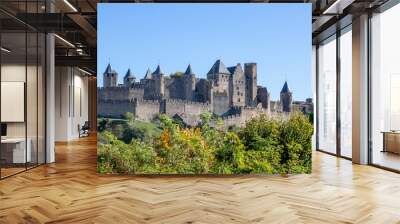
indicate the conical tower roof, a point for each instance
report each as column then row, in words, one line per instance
column 285, row 88
column 157, row 71
column 108, row 69
column 148, row 74
column 129, row 74
column 189, row 70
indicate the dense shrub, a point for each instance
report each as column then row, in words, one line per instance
column 114, row 156
column 182, row 150
column 286, row 142
column 264, row 145
column 296, row 133
column 102, row 124
column 261, row 133
column 264, row 161
column 128, row 129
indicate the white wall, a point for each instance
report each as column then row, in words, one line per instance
column 33, row 126
column 71, row 103
column 17, row 73
column 80, row 111
column 61, row 103
column 9, row 73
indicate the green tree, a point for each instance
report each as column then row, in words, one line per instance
column 295, row 137
column 177, row 75
column 102, row 124
column 130, row 117
column 229, row 155
column 264, row 145
column 260, row 133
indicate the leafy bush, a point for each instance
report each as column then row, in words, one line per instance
column 129, row 128
column 286, row 143
column 102, row 124
column 261, row 133
column 264, row 145
column 182, row 150
column 230, row 155
column 117, row 157
column 296, row 133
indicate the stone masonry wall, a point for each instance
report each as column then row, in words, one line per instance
column 220, row 103
column 114, row 108
column 244, row 114
column 146, row 110
column 173, row 107
column 121, row 93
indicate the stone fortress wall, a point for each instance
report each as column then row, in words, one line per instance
column 173, row 107
column 188, row 111
column 240, row 115
column 229, row 92
column 146, row 110
column 120, row 93
column 114, row 108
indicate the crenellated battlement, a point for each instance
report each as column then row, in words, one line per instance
column 142, row 101
column 137, row 85
column 188, row 102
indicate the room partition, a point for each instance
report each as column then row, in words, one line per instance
column 22, row 77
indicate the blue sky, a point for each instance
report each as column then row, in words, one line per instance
column 275, row 36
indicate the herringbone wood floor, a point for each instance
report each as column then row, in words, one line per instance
column 70, row 191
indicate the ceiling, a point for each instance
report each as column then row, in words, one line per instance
column 329, row 16
column 75, row 22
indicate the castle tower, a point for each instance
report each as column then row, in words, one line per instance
column 110, row 77
column 263, row 97
column 237, row 86
column 148, row 74
column 129, row 79
column 250, row 73
column 203, row 90
column 147, row 77
column 189, row 83
column 286, row 98
column 219, row 76
column 159, row 85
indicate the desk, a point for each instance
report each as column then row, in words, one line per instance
column 391, row 141
column 13, row 150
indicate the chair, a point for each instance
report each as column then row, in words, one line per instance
column 84, row 130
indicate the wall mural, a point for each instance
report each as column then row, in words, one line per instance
column 209, row 118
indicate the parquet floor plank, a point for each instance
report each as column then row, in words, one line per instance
column 70, row 191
